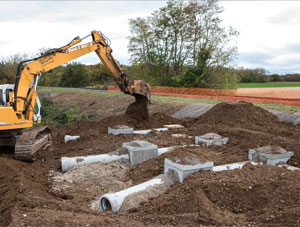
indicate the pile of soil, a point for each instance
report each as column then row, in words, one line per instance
column 237, row 114
column 262, row 195
column 138, row 109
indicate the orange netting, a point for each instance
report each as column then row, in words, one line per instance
column 285, row 96
column 185, row 90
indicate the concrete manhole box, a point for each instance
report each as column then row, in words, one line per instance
column 210, row 139
column 270, row 155
column 140, row 151
column 183, row 171
column 120, row 129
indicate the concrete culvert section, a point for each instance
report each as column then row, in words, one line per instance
column 70, row 138
column 140, row 151
column 114, row 201
column 69, row 162
column 270, row 155
column 120, row 129
column 121, row 154
column 132, row 197
column 210, row 139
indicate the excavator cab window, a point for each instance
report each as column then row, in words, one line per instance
column 1, row 98
column 7, row 95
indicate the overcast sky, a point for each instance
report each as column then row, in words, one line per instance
column 269, row 30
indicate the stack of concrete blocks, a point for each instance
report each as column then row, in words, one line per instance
column 139, row 151
column 210, row 139
column 183, row 171
column 271, row 155
column 120, row 129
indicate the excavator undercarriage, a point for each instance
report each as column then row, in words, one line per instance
column 31, row 141
column 26, row 142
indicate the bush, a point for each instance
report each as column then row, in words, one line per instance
column 57, row 117
column 75, row 75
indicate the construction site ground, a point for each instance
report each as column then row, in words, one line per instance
column 39, row 194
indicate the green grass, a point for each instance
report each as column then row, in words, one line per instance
column 266, row 85
column 277, row 107
column 54, row 90
column 184, row 100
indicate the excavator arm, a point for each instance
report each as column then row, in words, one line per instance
column 18, row 114
column 29, row 72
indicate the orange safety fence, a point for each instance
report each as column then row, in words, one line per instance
column 184, row 90
column 284, row 96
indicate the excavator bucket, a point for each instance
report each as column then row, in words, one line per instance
column 140, row 87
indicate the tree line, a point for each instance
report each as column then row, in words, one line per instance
column 260, row 75
column 71, row 75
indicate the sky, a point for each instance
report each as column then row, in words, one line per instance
column 269, row 30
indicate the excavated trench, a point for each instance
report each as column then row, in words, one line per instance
column 39, row 194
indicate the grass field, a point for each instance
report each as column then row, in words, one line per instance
column 277, row 107
column 272, row 84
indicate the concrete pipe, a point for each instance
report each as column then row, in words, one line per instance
column 114, row 201
column 70, row 138
column 68, row 163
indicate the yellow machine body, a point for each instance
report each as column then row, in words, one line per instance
column 19, row 113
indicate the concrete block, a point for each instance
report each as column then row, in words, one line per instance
column 183, row 171
column 70, row 138
column 142, row 132
column 140, row 151
column 179, row 135
column 173, row 126
column 120, row 129
column 161, row 129
column 271, row 155
column 211, row 139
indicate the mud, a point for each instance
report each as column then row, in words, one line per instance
column 138, row 109
column 36, row 194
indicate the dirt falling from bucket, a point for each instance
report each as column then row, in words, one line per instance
column 139, row 109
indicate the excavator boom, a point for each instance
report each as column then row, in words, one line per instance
column 19, row 113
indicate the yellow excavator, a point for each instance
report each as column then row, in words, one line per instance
column 17, row 117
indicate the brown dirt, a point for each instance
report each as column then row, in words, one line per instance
column 237, row 114
column 138, row 109
column 254, row 195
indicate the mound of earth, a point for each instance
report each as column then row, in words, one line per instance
column 235, row 197
column 237, row 114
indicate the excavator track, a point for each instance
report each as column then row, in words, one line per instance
column 30, row 142
column 9, row 138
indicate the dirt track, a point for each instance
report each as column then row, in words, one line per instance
column 253, row 195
